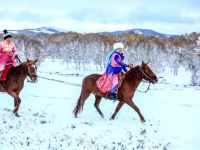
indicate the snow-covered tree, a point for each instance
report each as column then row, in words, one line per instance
column 196, row 64
column 197, row 48
column 81, row 50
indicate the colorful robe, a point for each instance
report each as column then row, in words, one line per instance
column 108, row 82
column 7, row 54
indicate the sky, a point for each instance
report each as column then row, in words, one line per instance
column 165, row 16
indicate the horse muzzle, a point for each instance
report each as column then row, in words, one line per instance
column 33, row 78
column 154, row 80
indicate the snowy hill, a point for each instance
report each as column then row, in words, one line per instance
column 145, row 32
column 48, row 30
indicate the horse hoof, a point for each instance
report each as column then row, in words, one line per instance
column 17, row 115
column 143, row 120
column 111, row 118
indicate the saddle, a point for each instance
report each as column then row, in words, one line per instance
column 5, row 72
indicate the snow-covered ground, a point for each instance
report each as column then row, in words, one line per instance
column 171, row 110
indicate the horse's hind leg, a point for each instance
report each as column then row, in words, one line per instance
column 79, row 107
column 96, row 105
column 119, row 106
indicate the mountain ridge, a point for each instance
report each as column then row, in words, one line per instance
column 51, row 30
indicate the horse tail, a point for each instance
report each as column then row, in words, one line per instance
column 85, row 93
column 79, row 106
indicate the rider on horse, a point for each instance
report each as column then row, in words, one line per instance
column 108, row 82
column 7, row 53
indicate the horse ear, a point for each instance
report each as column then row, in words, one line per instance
column 36, row 60
column 27, row 59
column 142, row 62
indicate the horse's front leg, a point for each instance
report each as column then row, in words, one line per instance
column 17, row 101
column 17, row 107
column 119, row 106
column 132, row 105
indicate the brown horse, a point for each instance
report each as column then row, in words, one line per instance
column 15, row 81
column 125, row 93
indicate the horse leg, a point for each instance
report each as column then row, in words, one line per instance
column 17, row 104
column 96, row 105
column 79, row 107
column 119, row 106
column 132, row 105
column 17, row 107
column 17, row 101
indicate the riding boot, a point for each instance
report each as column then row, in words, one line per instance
column 5, row 72
column 112, row 96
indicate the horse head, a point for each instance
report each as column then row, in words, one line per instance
column 31, row 69
column 147, row 73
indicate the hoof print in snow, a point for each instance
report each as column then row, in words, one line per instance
column 166, row 146
column 39, row 115
column 7, row 109
column 143, row 132
column 36, row 114
column 73, row 126
column 88, row 123
column 43, row 122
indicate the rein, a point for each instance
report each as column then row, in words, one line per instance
column 145, row 81
column 61, row 81
column 145, row 90
column 79, row 85
column 18, row 60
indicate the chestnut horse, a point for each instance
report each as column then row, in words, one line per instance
column 126, row 92
column 15, row 81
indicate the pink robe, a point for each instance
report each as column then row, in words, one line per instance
column 109, row 80
column 7, row 54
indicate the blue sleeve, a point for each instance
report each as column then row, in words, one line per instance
column 124, row 68
column 117, row 59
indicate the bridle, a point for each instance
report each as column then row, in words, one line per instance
column 29, row 73
column 146, row 75
column 27, row 69
column 150, row 79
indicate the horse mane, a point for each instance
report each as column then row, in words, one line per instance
column 18, row 68
column 20, row 65
column 132, row 73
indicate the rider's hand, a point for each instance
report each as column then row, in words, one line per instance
column 16, row 57
column 130, row 65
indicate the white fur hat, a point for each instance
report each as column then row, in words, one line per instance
column 118, row 45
